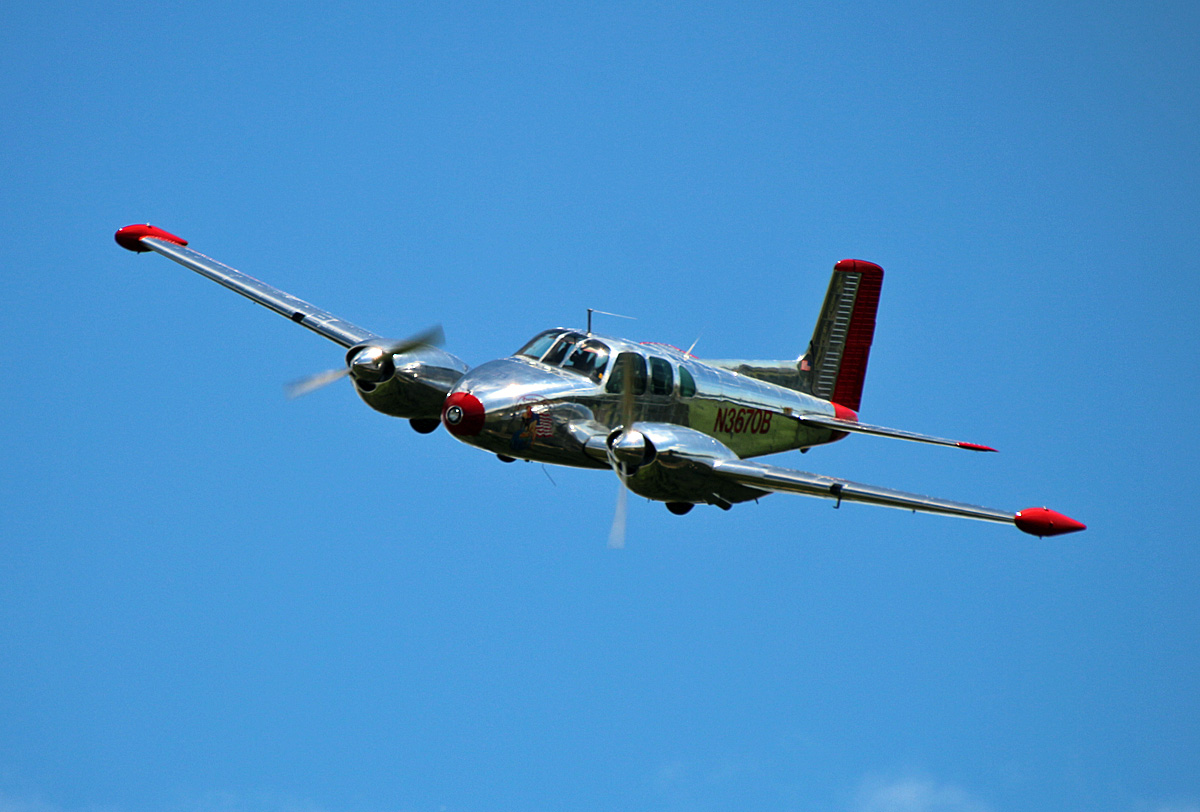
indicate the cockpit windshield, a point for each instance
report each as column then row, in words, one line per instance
column 589, row 358
column 538, row 345
column 562, row 348
column 570, row 350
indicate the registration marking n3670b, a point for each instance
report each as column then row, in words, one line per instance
column 736, row 420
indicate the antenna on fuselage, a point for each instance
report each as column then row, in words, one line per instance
column 592, row 310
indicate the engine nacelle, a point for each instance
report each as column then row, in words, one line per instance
column 412, row 384
column 630, row 450
column 678, row 468
column 370, row 366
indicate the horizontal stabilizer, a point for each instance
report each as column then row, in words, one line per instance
column 853, row 426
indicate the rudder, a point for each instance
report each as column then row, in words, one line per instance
column 836, row 361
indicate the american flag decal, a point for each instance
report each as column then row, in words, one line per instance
column 545, row 425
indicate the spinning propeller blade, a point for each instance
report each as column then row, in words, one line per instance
column 431, row 337
column 616, row 536
column 312, row 383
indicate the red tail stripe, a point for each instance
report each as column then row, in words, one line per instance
column 853, row 371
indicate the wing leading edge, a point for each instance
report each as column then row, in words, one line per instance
column 408, row 378
column 142, row 238
column 1035, row 521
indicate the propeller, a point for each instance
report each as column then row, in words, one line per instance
column 371, row 363
column 628, row 449
column 616, row 535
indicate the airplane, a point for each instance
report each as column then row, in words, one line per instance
column 672, row 427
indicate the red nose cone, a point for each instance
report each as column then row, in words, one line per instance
column 1045, row 522
column 463, row 414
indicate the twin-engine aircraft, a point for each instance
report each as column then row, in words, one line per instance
column 674, row 428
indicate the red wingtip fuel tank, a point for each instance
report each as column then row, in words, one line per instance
column 1045, row 522
column 130, row 237
column 463, row 414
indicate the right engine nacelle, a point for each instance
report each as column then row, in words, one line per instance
column 680, row 469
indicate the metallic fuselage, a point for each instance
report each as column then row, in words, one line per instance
column 542, row 412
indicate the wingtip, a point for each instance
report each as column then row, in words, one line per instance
column 1045, row 522
column 975, row 447
column 130, row 237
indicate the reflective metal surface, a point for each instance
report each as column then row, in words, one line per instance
column 673, row 428
column 774, row 478
column 418, row 385
column 286, row 305
column 412, row 384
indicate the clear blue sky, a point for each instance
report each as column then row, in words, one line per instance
column 216, row 600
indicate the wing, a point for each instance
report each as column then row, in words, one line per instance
column 685, row 465
column 408, row 378
column 143, row 238
column 1036, row 521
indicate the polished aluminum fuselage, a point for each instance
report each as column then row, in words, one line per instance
column 542, row 412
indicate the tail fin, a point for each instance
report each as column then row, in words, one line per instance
column 836, row 361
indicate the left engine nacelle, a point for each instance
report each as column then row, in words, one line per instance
column 413, row 384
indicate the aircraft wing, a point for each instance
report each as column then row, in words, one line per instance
column 749, row 473
column 143, row 238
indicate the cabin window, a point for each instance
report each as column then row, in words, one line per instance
column 687, row 384
column 589, row 358
column 561, row 348
column 661, row 379
column 538, row 345
column 616, row 381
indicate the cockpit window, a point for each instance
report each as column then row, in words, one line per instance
column 589, row 358
column 570, row 350
column 561, row 348
column 538, row 345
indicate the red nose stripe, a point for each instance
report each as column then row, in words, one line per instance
column 1045, row 522
column 463, row 414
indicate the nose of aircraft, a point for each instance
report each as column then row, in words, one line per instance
column 463, row 414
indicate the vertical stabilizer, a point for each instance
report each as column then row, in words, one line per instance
column 836, row 361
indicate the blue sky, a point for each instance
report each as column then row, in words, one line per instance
column 215, row 599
